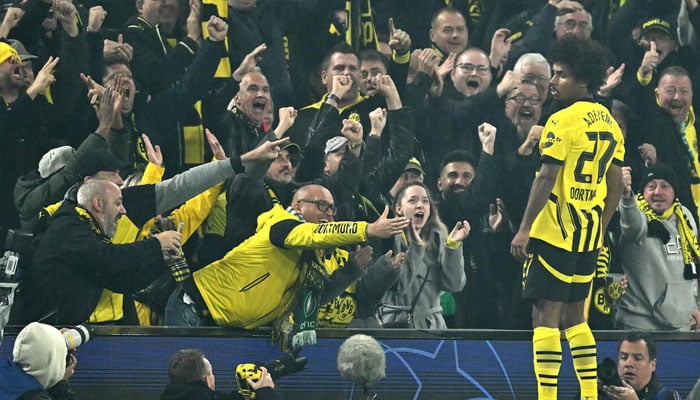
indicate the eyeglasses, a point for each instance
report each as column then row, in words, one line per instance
column 322, row 205
column 571, row 25
column 521, row 99
column 469, row 68
column 535, row 78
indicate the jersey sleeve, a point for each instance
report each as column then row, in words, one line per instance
column 556, row 140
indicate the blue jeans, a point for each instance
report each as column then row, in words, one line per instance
column 177, row 313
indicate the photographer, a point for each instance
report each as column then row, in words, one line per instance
column 636, row 376
column 40, row 367
column 192, row 378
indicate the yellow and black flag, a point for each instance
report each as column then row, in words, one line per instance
column 220, row 9
column 360, row 33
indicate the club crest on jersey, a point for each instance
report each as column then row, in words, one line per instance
column 550, row 139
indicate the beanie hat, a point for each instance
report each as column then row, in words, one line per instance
column 659, row 171
column 54, row 160
column 40, row 350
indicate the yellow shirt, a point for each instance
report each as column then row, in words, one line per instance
column 584, row 140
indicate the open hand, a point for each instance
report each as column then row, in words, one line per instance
column 152, row 152
column 460, row 231
column 385, row 227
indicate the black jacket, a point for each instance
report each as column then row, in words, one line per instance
column 165, row 117
column 73, row 262
column 657, row 128
column 200, row 391
column 155, row 65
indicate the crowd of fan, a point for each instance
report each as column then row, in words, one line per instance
column 384, row 117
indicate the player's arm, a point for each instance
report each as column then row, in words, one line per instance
column 613, row 180
column 539, row 194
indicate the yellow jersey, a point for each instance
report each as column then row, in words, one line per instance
column 584, row 140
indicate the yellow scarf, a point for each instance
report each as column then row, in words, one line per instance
column 689, row 243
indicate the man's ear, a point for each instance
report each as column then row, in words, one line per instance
column 97, row 204
column 653, row 365
column 139, row 6
column 432, row 35
column 324, row 77
column 439, row 184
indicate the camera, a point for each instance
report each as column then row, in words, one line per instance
column 77, row 336
column 607, row 373
column 17, row 243
column 287, row 364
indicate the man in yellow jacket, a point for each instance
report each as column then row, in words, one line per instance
column 279, row 268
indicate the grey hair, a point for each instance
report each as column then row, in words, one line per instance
column 535, row 59
column 89, row 190
column 589, row 17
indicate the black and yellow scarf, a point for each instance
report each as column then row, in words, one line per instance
column 689, row 242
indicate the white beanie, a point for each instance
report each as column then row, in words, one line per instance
column 40, row 350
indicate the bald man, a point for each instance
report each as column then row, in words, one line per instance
column 75, row 259
column 258, row 281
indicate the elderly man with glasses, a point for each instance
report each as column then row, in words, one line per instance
column 281, row 268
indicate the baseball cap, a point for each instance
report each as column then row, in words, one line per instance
column 659, row 171
column 54, row 160
column 292, row 148
column 658, row 24
column 7, row 52
column 335, row 143
column 21, row 50
column 95, row 161
column 414, row 164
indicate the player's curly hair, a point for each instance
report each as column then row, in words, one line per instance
column 587, row 59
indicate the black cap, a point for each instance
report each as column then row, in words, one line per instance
column 92, row 162
column 657, row 24
column 659, row 171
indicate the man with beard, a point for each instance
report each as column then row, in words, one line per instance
column 465, row 190
column 75, row 259
column 259, row 194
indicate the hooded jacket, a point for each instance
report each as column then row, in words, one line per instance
column 38, row 365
